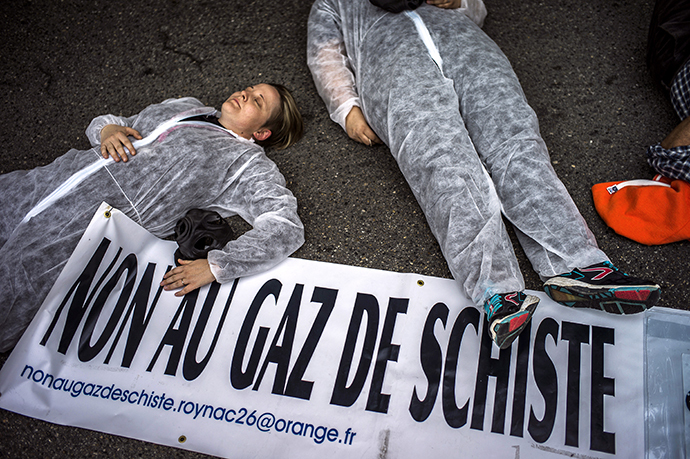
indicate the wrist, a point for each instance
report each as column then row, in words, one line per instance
column 104, row 129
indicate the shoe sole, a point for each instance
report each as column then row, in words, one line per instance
column 505, row 330
column 614, row 299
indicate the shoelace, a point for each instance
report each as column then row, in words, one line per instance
column 494, row 305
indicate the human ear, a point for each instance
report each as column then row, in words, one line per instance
column 262, row 134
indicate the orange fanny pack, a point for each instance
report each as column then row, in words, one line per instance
column 651, row 212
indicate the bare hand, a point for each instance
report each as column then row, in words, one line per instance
column 358, row 129
column 114, row 141
column 189, row 276
column 680, row 136
column 448, row 4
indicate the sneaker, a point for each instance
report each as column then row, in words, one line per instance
column 603, row 286
column 508, row 314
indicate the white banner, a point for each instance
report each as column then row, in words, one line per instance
column 316, row 360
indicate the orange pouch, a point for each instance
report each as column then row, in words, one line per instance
column 651, row 212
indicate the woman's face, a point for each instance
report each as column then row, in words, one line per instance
column 247, row 112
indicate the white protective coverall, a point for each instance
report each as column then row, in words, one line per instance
column 188, row 166
column 448, row 122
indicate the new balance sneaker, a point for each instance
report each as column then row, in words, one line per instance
column 508, row 314
column 603, row 286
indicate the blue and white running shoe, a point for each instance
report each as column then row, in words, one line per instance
column 603, row 286
column 508, row 314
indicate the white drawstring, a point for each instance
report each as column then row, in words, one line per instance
column 426, row 38
column 638, row 182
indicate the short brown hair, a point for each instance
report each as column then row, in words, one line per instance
column 286, row 124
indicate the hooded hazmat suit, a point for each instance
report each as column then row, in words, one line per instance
column 454, row 116
column 187, row 166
